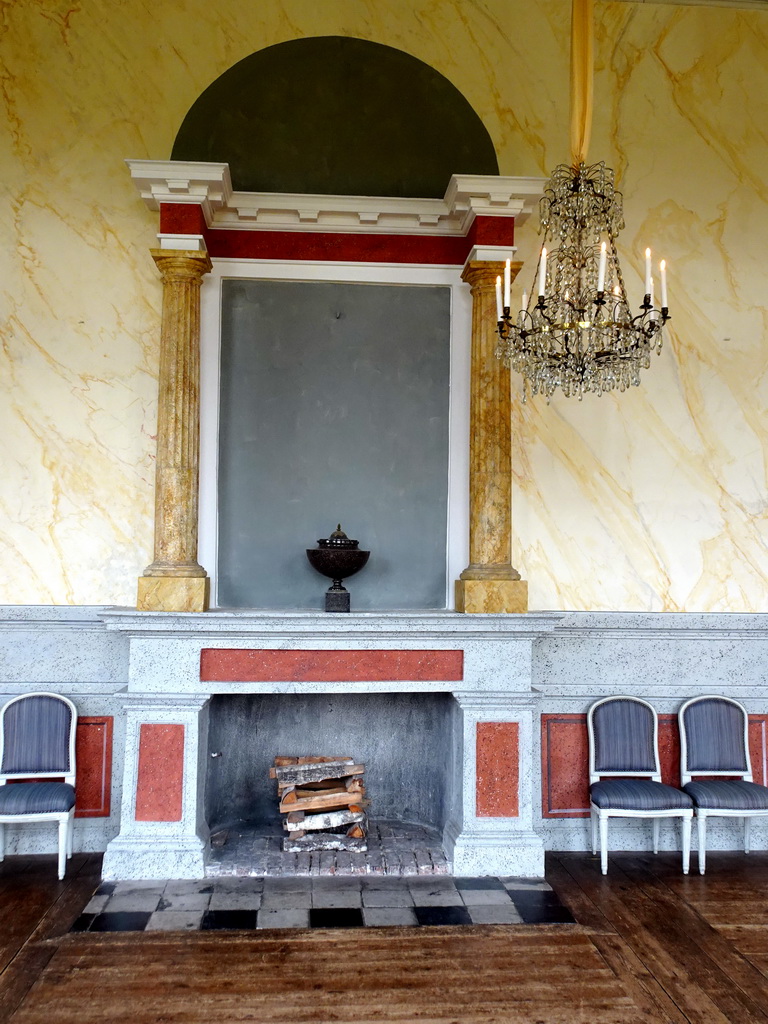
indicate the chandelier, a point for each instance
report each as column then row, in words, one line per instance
column 576, row 329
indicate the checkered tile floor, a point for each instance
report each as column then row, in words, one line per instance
column 322, row 902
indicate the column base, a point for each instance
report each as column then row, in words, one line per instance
column 508, row 852
column 153, row 857
column 173, row 594
column 491, row 596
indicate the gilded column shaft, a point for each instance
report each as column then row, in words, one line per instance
column 490, row 444
column 178, row 440
column 178, row 416
column 489, row 583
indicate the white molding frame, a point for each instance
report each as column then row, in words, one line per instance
column 209, row 186
column 457, row 540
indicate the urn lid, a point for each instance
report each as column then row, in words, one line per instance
column 338, row 539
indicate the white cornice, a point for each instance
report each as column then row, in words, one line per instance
column 209, row 186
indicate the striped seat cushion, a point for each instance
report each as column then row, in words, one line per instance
column 36, row 798
column 637, row 795
column 728, row 795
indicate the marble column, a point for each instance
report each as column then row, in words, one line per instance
column 489, row 583
column 175, row 581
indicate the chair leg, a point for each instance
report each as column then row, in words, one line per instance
column 70, row 835
column 687, row 822
column 63, row 822
column 702, row 823
column 593, row 817
column 604, row 843
column 656, row 829
column 2, row 842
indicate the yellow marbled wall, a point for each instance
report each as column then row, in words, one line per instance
column 650, row 500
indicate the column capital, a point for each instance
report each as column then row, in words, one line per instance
column 181, row 263
column 482, row 274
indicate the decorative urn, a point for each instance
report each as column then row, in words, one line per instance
column 338, row 558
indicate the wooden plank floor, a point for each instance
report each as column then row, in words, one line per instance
column 652, row 946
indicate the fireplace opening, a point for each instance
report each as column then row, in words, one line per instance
column 410, row 744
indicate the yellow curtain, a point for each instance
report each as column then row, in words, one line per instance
column 582, row 58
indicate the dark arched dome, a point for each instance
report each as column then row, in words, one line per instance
column 336, row 116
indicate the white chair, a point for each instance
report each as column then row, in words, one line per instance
column 37, row 741
column 714, row 741
column 625, row 774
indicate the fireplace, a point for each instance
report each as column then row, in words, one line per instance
column 410, row 743
column 437, row 697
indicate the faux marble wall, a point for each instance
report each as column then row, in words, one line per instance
column 650, row 500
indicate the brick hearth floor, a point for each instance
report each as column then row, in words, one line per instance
column 319, row 902
column 394, row 848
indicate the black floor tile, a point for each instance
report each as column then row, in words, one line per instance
column 540, row 907
column 442, row 915
column 105, row 889
column 336, row 917
column 83, row 923
column 217, row 920
column 121, row 921
column 479, row 883
column 545, row 915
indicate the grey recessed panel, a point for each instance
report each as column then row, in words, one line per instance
column 333, row 408
column 405, row 740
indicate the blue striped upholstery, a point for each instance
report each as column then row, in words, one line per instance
column 637, row 795
column 623, row 732
column 714, row 730
column 36, row 797
column 36, row 736
column 728, row 795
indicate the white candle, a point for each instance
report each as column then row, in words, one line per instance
column 499, row 310
column 507, row 285
column 601, row 270
column 663, row 268
column 525, row 300
column 647, row 271
column 543, row 271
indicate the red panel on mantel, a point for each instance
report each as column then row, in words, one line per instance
column 159, row 785
column 93, row 757
column 565, row 760
column 271, row 666
column 497, row 778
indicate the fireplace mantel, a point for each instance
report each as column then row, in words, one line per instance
column 178, row 661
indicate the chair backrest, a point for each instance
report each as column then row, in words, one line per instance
column 713, row 738
column 623, row 738
column 37, row 737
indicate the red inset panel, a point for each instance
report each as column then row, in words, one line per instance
column 565, row 760
column 93, row 754
column 564, row 766
column 498, row 770
column 268, row 666
column 161, row 773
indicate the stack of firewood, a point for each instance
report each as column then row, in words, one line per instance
column 323, row 800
